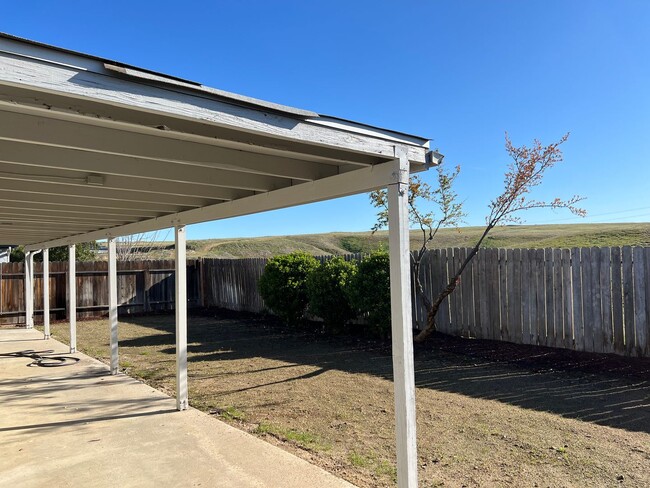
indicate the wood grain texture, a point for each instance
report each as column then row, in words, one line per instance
column 640, row 305
column 540, row 319
column 494, row 298
column 617, row 301
column 576, row 286
column 503, row 294
column 628, row 301
column 567, row 302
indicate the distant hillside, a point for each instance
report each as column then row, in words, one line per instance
column 523, row 236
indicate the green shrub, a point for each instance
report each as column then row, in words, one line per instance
column 326, row 291
column 283, row 285
column 369, row 293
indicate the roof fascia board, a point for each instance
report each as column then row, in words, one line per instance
column 79, row 84
column 66, row 57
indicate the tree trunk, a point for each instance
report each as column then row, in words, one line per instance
column 453, row 283
column 433, row 311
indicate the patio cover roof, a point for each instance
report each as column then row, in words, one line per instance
column 92, row 148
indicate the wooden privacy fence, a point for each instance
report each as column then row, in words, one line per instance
column 233, row 283
column 143, row 286
column 588, row 299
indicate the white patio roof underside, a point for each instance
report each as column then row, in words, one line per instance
column 91, row 148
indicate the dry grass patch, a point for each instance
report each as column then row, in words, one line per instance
column 488, row 414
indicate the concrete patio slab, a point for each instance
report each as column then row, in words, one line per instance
column 79, row 426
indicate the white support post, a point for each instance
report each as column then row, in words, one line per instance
column 29, row 290
column 112, row 304
column 46, row 293
column 72, row 296
column 402, row 326
column 181, row 319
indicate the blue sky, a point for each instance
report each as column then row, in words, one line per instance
column 461, row 73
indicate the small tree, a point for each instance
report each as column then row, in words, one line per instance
column 136, row 247
column 525, row 172
column 443, row 198
column 326, row 291
column 283, row 285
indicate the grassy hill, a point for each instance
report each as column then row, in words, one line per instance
column 524, row 236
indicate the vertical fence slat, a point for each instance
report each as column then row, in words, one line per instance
column 576, row 285
column 527, row 292
column 605, row 285
column 550, row 308
column 511, row 286
column 470, row 300
column 503, row 294
column 645, row 350
column 567, row 306
column 596, row 256
column 628, row 300
column 451, row 299
column 461, row 254
column 492, row 271
column 534, row 292
column 476, row 293
column 483, row 322
column 640, row 325
column 516, row 297
column 558, row 299
column 587, row 299
column 617, row 301
column 443, row 312
column 540, row 318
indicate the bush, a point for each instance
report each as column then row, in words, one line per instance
column 326, row 291
column 369, row 293
column 283, row 285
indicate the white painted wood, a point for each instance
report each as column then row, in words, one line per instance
column 217, row 185
column 21, row 216
column 76, row 202
column 26, row 214
column 118, row 93
column 29, row 290
column 17, row 184
column 46, row 293
column 85, row 62
column 402, row 332
column 181, row 319
column 112, row 305
column 72, row 296
column 185, row 131
column 362, row 180
column 162, row 78
column 109, row 144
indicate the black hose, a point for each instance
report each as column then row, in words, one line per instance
column 44, row 359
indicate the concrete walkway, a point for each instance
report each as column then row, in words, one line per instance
column 79, row 426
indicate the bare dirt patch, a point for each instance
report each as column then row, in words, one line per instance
column 489, row 414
